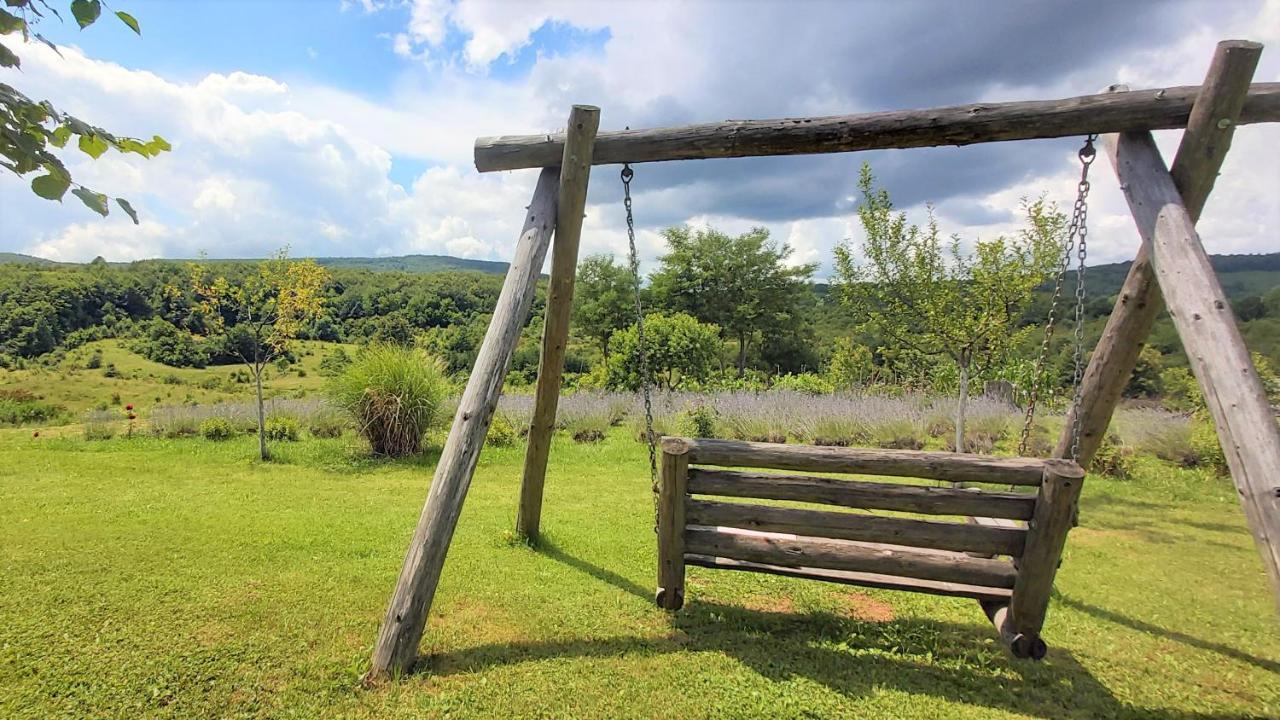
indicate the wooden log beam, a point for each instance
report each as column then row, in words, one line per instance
column 1202, row 315
column 1210, row 127
column 787, row 551
column 672, row 493
column 950, row 467
column 954, row 536
column 844, row 577
column 920, row 499
column 957, row 125
column 1046, row 536
column 397, row 644
column 575, row 171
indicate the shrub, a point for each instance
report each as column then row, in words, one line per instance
column 216, row 428
column 281, row 428
column 809, row 383
column 1206, row 448
column 699, row 420
column 327, row 425
column 1113, row 458
column 164, row 343
column 95, row 360
column 334, row 363
column 110, row 371
column 22, row 407
column 394, row 394
column 100, row 424
column 501, row 432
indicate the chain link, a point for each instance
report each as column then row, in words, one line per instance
column 1077, row 234
column 634, row 259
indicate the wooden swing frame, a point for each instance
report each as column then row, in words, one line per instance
column 1171, row 261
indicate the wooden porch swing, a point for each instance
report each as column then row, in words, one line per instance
column 1007, row 567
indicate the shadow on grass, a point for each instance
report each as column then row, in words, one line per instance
column 554, row 552
column 1149, row 629
column 949, row 661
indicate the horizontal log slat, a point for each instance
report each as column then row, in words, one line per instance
column 874, row 580
column 958, row 537
column 1154, row 109
column 862, row 494
column 788, row 551
column 949, row 467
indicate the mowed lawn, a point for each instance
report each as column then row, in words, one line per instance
column 181, row 578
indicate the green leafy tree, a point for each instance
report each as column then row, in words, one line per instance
column 678, row 348
column 30, row 130
column 258, row 316
column 851, row 365
column 603, row 302
column 741, row 284
column 926, row 298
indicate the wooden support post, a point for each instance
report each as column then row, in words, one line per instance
column 671, row 507
column 1204, row 146
column 397, row 645
column 1202, row 315
column 575, row 170
column 1046, row 536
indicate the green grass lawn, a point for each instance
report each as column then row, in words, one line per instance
column 143, row 577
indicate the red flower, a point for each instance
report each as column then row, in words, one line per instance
column 129, row 406
column 35, row 434
column 132, row 416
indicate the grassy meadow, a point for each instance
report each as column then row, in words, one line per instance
column 147, row 576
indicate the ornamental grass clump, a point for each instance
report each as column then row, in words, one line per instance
column 394, row 394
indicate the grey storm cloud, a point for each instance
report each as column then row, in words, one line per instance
column 773, row 60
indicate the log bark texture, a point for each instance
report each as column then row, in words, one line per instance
column 1206, row 325
column 397, row 644
column 787, row 551
column 950, row 467
column 861, row 494
column 1204, row 146
column 575, row 171
column 1046, row 536
column 954, row 536
column 671, row 526
column 957, row 125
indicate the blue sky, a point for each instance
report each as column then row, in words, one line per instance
column 344, row 127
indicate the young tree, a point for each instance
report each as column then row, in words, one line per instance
column 678, row 348
column 29, row 130
column 603, row 302
column 742, row 284
column 926, row 297
column 258, row 316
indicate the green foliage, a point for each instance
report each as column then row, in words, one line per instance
column 30, row 131
column 217, row 428
column 162, row 342
column 741, row 284
column 851, row 365
column 698, row 420
column 1205, row 447
column 282, row 429
column 925, row 298
column 20, row 407
column 394, row 394
column 679, row 350
column 603, row 301
column 501, row 432
column 810, row 383
column 1181, row 392
column 335, row 362
column 1145, row 380
column 1114, row 459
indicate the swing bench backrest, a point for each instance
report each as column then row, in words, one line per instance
column 1000, row 547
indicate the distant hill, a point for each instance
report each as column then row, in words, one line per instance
column 415, row 263
column 20, row 259
column 400, row 263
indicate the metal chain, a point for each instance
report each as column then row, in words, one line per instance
column 634, row 258
column 1077, row 230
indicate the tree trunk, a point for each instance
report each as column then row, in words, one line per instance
column 961, row 402
column 742, row 354
column 262, row 420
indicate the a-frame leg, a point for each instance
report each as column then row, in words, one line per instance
column 1232, row 390
column 397, row 645
column 1204, row 146
column 575, row 170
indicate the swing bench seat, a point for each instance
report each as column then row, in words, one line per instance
column 1000, row 547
